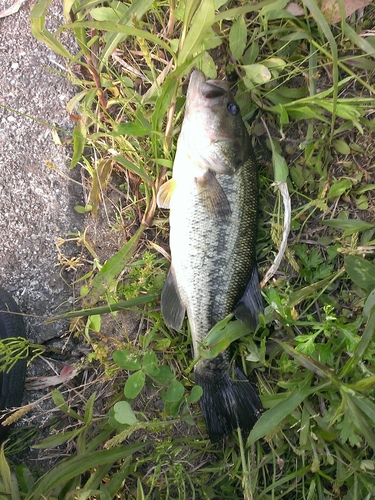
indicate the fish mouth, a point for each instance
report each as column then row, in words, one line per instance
column 208, row 89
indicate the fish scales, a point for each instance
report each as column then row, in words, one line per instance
column 213, row 259
column 213, row 201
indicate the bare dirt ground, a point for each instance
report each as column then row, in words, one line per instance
column 36, row 202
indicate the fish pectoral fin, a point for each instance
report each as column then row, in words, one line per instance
column 172, row 308
column 165, row 193
column 251, row 304
column 213, row 196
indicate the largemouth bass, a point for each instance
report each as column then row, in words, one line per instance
column 213, row 202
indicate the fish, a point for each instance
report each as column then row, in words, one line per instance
column 213, row 197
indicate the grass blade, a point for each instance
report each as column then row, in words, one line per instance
column 112, row 268
column 273, row 417
column 74, row 466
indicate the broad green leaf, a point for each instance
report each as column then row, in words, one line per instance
column 251, row 54
column 282, row 95
column 219, row 3
column 111, row 269
column 67, row 6
column 362, row 202
column 195, row 394
column 83, row 210
column 364, row 384
column 164, row 375
column 341, row 146
column 131, row 128
column 38, row 29
column 115, row 28
column 150, row 364
column 94, row 322
column 358, row 40
column 280, row 167
column 124, row 414
column 244, row 9
column 5, row 475
column 25, row 478
column 105, row 14
column 89, row 410
column 127, row 360
column 136, row 10
column 237, row 38
column 134, row 384
column 349, row 226
column 273, row 417
column 207, row 65
column 79, row 142
column 211, row 40
column 203, row 19
column 275, row 5
column 59, row 401
column 221, row 336
column 57, row 439
column 303, row 112
column 275, row 63
column 256, row 73
column 134, row 168
column 175, row 391
column 339, row 188
column 360, row 271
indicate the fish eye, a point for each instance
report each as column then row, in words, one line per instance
column 232, row 108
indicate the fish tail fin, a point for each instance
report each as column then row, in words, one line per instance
column 227, row 402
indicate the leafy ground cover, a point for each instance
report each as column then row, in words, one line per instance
column 305, row 89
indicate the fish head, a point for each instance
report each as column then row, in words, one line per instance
column 213, row 132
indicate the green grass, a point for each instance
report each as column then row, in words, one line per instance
column 306, row 88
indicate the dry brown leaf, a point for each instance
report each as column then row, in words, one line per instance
column 37, row 383
column 331, row 10
column 13, row 9
column 295, row 9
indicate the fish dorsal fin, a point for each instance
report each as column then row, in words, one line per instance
column 172, row 309
column 213, row 196
column 165, row 193
column 251, row 304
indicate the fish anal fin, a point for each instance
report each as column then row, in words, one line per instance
column 251, row 304
column 213, row 196
column 165, row 193
column 172, row 309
